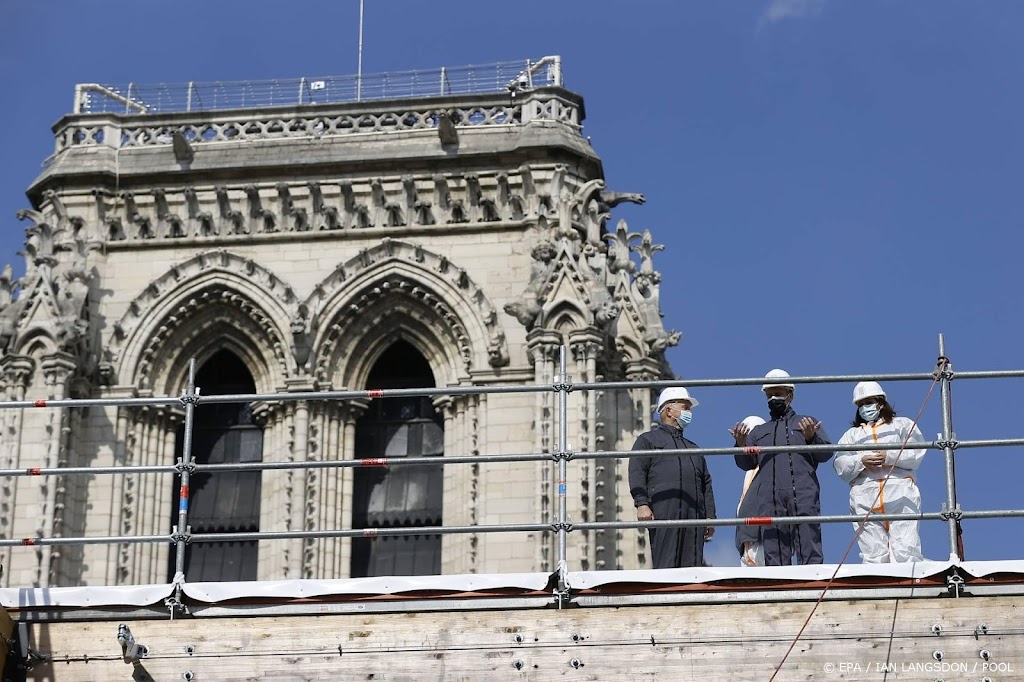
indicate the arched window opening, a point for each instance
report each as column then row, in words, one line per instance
column 400, row 496
column 229, row 501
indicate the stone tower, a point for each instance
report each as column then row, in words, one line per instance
column 305, row 240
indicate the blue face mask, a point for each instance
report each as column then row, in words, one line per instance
column 684, row 418
column 869, row 412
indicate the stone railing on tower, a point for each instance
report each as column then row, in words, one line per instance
column 316, row 121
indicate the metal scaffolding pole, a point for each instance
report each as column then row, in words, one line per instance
column 181, row 532
column 945, row 370
column 562, row 386
column 559, row 525
column 404, row 531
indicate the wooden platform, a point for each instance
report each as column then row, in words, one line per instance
column 871, row 639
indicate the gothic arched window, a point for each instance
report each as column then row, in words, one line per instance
column 405, row 496
column 227, row 501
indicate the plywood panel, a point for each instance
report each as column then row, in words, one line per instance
column 852, row 640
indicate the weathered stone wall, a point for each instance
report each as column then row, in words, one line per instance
column 306, row 241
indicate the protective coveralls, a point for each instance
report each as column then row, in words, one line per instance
column 748, row 538
column 676, row 487
column 884, row 541
column 788, row 486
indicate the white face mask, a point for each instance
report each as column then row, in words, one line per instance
column 869, row 412
column 684, row 418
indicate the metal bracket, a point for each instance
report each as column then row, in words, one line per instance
column 955, row 584
column 187, row 398
column 19, row 653
column 956, row 514
column 557, row 526
column 182, row 466
column 176, row 608
column 943, row 369
column 952, row 444
column 562, row 383
column 567, row 455
column 185, row 537
column 132, row 651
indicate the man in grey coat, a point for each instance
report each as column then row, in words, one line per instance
column 788, row 480
column 672, row 486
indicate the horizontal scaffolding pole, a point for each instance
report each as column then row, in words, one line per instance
column 756, row 381
column 97, row 540
column 489, row 459
column 505, row 528
column 442, row 460
column 487, row 390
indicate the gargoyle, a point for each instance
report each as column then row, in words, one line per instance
column 386, row 213
column 259, row 217
column 328, row 214
column 232, row 219
column 299, row 217
column 202, row 221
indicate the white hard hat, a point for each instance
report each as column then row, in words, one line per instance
column 777, row 374
column 752, row 421
column 867, row 389
column 675, row 393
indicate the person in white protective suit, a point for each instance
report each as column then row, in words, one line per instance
column 748, row 538
column 882, row 481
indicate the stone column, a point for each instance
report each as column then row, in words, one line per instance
column 349, row 414
column 583, row 485
column 57, row 371
column 17, row 372
column 542, row 348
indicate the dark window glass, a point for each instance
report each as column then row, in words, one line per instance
column 223, row 502
column 401, row 496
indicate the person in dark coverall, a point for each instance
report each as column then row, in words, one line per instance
column 672, row 487
column 748, row 538
column 788, row 480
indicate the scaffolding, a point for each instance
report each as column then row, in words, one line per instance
column 192, row 399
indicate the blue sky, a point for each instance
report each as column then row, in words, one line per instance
column 835, row 182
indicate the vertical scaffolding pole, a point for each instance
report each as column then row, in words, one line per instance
column 945, row 370
column 185, row 464
column 562, row 386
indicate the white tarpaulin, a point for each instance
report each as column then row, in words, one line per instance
column 212, row 593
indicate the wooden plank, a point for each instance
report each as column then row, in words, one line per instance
column 851, row 640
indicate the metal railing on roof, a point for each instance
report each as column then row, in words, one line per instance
column 191, row 399
column 141, row 98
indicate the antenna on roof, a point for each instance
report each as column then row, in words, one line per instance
column 359, row 67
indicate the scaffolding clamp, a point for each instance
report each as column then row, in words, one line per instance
column 185, row 537
column 957, row 513
column 952, row 444
column 187, row 398
column 943, row 369
column 175, row 606
column 562, row 383
column 558, row 526
column 132, row 651
column 181, row 466
column 955, row 583
column 567, row 455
